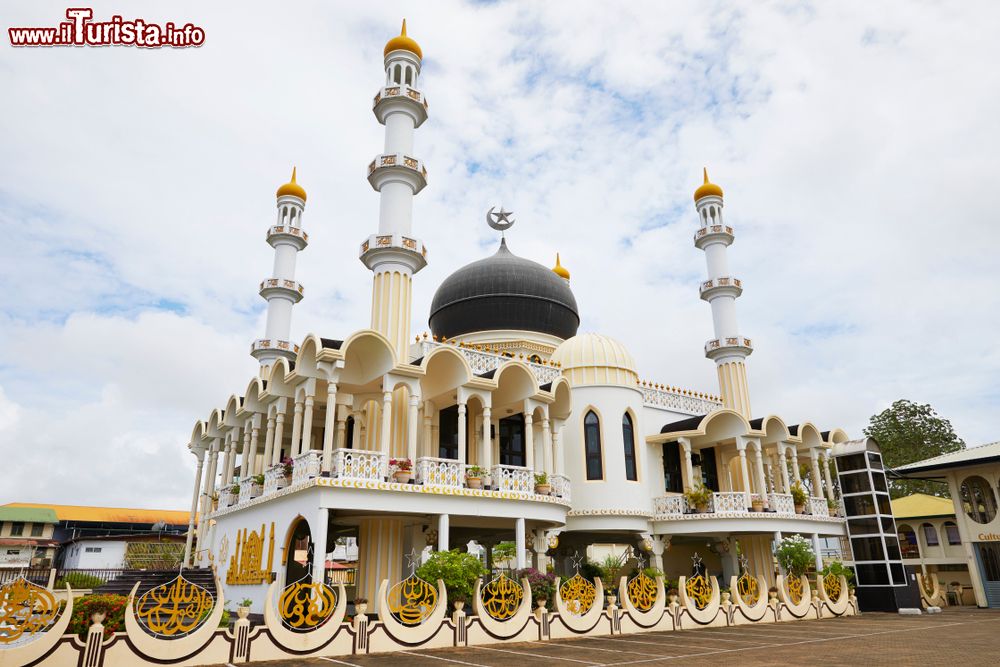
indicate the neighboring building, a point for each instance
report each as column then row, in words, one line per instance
column 929, row 539
column 137, row 551
column 973, row 478
column 26, row 537
column 504, row 388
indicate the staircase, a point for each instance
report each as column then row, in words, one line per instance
column 123, row 583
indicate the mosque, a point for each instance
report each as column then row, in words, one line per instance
column 505, row 422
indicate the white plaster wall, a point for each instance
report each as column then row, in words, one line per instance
column 112, row 555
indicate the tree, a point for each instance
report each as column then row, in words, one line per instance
column 908, row 432
column 459, row 571
column 503, row 552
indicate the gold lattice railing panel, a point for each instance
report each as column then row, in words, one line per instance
column 794, row 583
column 578, row 594
column 641, row 591
column 748, row 588
column 501, row 597
column 174, row 608
column 831, row 584
column 412, row 600
column 25, row 609
column 305, row 606
column 699, row 590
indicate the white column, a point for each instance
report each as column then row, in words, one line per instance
column 529, row 441
column 341, row 427
column 356, row 431
column 245, row 464
column 200, row 453
column 817, row 480
column 657, row 553
column 783, row 468
column 688, row 466
column 817, row 552
column 268, row 442
column 207, row 488
column 319, row 544
column 519, row 542
column 307, row 424
column 826, row 474
column 795, row 464
column 279, row 436
column 486, row 453
column 758, row 460
column 385, row 438
column 329, row 425
column 429, row 444
column 411, row 428
column 295, row 448
column 443, row 539
column 230, row 459
column 557, row 445
column 741, row 446
column 546, row 447
column 462, row 433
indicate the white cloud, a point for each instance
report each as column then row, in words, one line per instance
column 855, row 142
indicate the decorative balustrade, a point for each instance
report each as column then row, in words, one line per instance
column 729, row 502
column 274, row 479
column 433, row 471
column 282, row 283
column 560, row 486
column 359, row 464
column 288, row 230
column 305, row 466
column 513, row 478
column 483, row 362
column 734, row 503
column 818, row 507
column 226, row 497
column 249, row 489
column 669, row 505
column 676, row 400
column 781, row 503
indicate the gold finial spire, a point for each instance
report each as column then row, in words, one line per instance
column 403, row 43
column 292, row 188
column 560, row 270
column 708, row 188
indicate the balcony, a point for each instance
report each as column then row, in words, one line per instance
column 397, row 166
column 287, row 234
column 713, row 234
column 729, row 504
column 721, row 346
column 722, row 286
column 281, row 286
column 400, row 97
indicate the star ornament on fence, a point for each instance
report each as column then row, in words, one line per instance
column 640, row 563
column 577, row 561
column 696, row 561
column 743, row 562
column 413, row 560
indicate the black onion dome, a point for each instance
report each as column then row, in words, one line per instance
column 504, row 292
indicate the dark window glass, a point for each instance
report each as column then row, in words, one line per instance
column 628, row 435
column 888, row 527
column 978, row 499
column 989, row 554
column 875, row 460
column 884, row 506
column 930, row 535
column 951, row 530
column 867, row 548
column 891, row 548
column 855, row 482
column 872, row 574
column 592, row 445
column 17, row 528
column 878, row 481
column 709, row 471
column 36, row 529
column 908, row 542
column 898, row 574
column 512, row 441
column 852, row 462
column 448, row 433
column 349, row 433
column 672, row 478
column 859, row 505
column 863, row 526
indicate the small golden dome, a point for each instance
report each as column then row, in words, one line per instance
column 403, row 43
column 707, row 189
column 559, row 269
column 292, row 188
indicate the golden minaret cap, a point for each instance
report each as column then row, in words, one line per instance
column 403, row 43
column 292, row 188
column 559, row 269
column 707, row 188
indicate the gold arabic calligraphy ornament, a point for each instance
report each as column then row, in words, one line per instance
column 502, row 597
column 641, row 591
column 748, row 588
column 25, row 608
column 794, row 588
column 831, row 584
column 699, row 590
column 412, row 600
column 578, row 594
column 305, row 606
column 246, row 566
column 174, row 608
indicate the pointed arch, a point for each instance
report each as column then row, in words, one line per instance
column 629, row 448
column 593, row 444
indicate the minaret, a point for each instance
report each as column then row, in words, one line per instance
column 393, row 254
column 281, row 291
column 728, row 349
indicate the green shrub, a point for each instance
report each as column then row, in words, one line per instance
column 837, row 568
column 590, row 570
column 112, row 605
column 795, row 555
column 457, row 569
column 799, row 495
column 543, row 585
column 78, row 581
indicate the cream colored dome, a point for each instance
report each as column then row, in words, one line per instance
column 595, row 359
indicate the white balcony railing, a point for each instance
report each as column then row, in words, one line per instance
column 669, row 505
column 560, row 486
column 729, row 502
column 359, row 464
column 513, row 478
column 432, row 471
column 305, row 466
column 226, row 497
column 818, row 507
column 274, row 479
column 781, row 503
column 249, row 489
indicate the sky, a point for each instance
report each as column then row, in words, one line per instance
column 856, row 142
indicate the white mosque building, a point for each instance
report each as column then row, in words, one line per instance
column 504, row 423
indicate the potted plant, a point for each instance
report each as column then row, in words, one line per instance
column 256, row 485
column 215, row 501
column 542, row 486
column 757, row 502
column 799, row 497
column 285, row 467
column 474, row 477
column 699, row 497
column 402, row 470
column 833, row 506
column 234, row 490
column 243, row 608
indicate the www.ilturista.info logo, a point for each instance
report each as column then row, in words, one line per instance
column 80, row 30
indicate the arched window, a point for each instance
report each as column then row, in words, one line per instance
column 951, row 531
column 978, row 499
column 409, row 76
column 930, row 535
column 349, row 432
column 908, row 542
column 628, row 435
column 399, row 74
column 592, row 445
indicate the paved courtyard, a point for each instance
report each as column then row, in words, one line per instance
column 957, row 638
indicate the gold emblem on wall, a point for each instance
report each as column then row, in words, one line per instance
column 831, row 584
column 502, row 597
column 794, row 583
column 578, row 594
column 25, row 609
column 412, row 600
column 641, row 591
column 698, row 588
column 246, row 564
column 748, row 588
column 174, row 608
column 305, row 606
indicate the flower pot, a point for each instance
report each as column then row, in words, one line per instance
column 474, row 482
column 543, row 489
column 284, row 481
column 757, row 505
column 701, row 509
column 403, row 476
column 242, row 612
column 361, row 608
column 98, row 617
column 800, row 509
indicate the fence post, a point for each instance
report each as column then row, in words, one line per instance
column 52, row 579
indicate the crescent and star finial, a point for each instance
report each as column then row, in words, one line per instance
column 500, row 220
